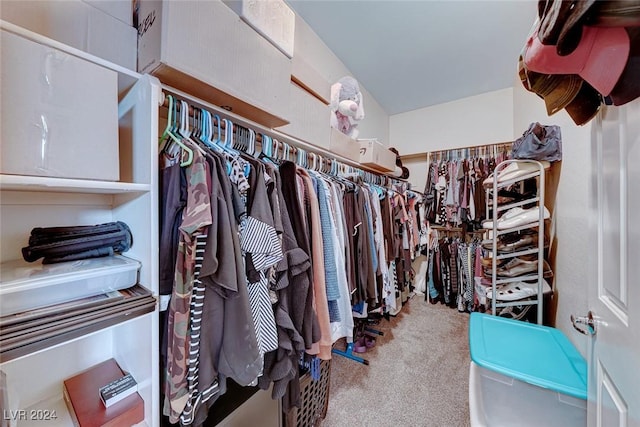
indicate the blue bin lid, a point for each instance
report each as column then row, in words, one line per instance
column 536, row 354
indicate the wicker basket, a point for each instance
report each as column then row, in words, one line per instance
column 314, row 399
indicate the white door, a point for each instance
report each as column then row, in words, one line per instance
column 614, row 284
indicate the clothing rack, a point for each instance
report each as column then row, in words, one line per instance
column 285, row 147
column 469, row 152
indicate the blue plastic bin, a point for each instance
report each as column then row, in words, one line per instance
column 524, row 374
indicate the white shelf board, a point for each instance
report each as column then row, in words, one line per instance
column 65, row 185
column 53, row 406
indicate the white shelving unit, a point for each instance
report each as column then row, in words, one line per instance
column 34, row 380
column 497, row 210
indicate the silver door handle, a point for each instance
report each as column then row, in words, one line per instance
column 584, row 324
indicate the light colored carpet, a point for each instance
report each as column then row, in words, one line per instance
column 418, row 373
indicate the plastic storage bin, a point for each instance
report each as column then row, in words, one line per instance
column 25, row 286
column 524, row 374
column 314, row 399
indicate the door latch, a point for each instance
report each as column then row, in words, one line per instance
column 584, row 324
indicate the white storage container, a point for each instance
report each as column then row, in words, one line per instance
column 103, row 28
column 310, row 118
column 376, row 156
column 59, row 113
column 524, row 375
column 344, row 145
column 26, row 286
column 205, row 49
column 271, row 18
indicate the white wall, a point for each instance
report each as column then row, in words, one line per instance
column 570, row 211
column 503, row 116
column 477, row 120
column 315, row 53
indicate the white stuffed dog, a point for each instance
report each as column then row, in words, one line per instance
column 347, row 106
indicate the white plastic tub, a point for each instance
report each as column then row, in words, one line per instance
column 25, row 286
column 524, row 375
column 498, row 400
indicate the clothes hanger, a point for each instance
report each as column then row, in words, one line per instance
column 252, row 144
column 242, row 137
column 208, row 133
column 185, row 129
column 196, row 129
column 299, row 157
column 231, row 149
column 315, row 162
column 168, row 134
column 286, row 151
column 266, row 150
column 326, row 165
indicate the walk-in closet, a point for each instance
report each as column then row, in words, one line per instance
column 301, row 213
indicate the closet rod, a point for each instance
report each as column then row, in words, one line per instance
column 455, row 229
column 474, row 148
column 292, row 141
column 497, row 145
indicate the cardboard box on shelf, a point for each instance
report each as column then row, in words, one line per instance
column 375, row 155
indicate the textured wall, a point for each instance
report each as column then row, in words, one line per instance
column 476, row 120
column 571, row 208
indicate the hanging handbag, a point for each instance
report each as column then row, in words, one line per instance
column 539, row 142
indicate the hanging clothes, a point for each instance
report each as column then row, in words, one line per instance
column 262, row 262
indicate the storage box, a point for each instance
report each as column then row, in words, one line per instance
column 343, row 145
column 81, row 396
column 305, row 76
column 271, row 18
column 376, row 156
column 102, row 28
column 524, row 374
column 26, row 286
column 203, row 48
column 314, row 399
column 121, row 10
column 59, row 113
column 310, row 118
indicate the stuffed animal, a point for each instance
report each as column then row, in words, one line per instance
column 347, row 106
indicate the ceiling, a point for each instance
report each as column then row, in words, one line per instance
column 413, row 54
